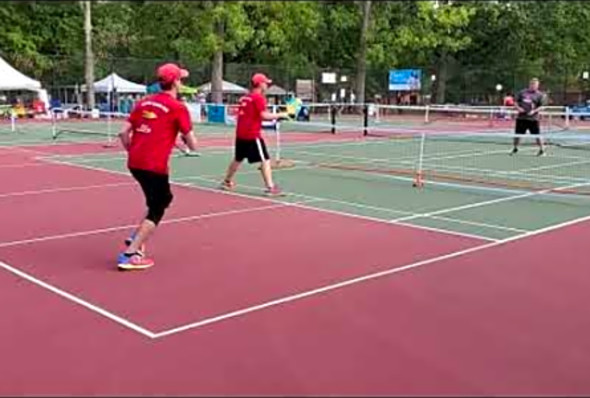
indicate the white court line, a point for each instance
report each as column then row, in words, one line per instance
column 47, row 143
column 405, row 159
column 315, row 209
column 552, row 166
column 21, row 165
column 480, row 224
column 289, row 298
column 358, row 280
column 487, row 202
column 66, row 189
column 130, row 226
column 386, row 210
column 351, row 215
column 68, row 296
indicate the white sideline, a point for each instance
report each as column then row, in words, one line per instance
column 68, row 296
column 358, row 280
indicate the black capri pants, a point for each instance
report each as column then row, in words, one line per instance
column 156, row 189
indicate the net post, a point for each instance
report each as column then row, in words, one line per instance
column 332, row 110
column 427, row 114
column 365, row 119
column 110, row 138
column 53, row 125
column 567, row 118
column 278, row 142
column 419, row 178
column 12, row 120
column 491, row 116
column 377, row 109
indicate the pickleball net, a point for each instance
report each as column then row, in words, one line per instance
column 77, row 125
column 467, row 153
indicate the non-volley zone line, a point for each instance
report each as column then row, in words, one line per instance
column 177, row 181
column 404, row 215
column 276, row 302
column 177, row 220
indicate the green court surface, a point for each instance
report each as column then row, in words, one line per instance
column 367, row 178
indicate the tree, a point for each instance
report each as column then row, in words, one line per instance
column 88, row 54
column 361, row 69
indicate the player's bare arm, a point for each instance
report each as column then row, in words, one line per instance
column 125, row 135
column 266, row 115
column 190, row 140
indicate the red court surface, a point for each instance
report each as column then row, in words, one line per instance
column 257, row 297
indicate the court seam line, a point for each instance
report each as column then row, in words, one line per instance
column 315, row 209
column 77, row 300
column 131, row 226
column 358, row 280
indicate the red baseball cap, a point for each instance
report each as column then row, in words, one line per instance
column 260, row 78
column 170, row 72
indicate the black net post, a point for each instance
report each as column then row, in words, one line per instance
column 365, row 119
column 333, row 119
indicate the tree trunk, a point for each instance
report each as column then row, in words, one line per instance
column 441, row 80
column 88, row 54
column 217, row 69
column 361, row 66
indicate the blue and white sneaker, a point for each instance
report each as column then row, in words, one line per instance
column 133, row 262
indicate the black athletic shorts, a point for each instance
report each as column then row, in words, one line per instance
column 155, row 187
column 524, row 125
column 253, row 150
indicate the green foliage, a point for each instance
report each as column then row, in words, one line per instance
column 482, row 42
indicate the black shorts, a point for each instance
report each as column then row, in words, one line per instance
column 155, row 187
column 524, row 125
column 253, row 150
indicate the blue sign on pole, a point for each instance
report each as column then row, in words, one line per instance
column 405, row 79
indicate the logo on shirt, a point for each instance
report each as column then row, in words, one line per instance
column 144, row 128
column 149, row 115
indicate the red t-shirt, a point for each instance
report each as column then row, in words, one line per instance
column 249, row 125
column 156, row 122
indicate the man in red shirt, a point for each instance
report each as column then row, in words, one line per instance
column 149, row 137
column 249, row 143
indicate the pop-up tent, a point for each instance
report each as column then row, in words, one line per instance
column 276, row 90
column 115, row 83
column 12, row 79
column 227, row 88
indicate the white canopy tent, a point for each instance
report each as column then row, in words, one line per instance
column 276, row 90
column 115, row 83
column 227, row 88
column 11, row 79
